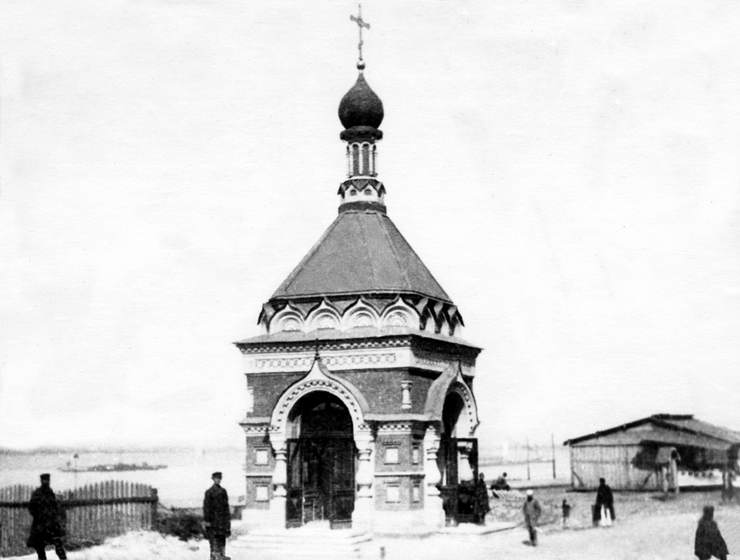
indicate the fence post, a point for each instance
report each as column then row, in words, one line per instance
column 155, row 503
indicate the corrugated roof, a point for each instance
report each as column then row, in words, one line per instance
column 361, row 252
column 705, row 428
column 677, row 429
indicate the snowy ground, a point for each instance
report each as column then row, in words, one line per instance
column 646, row 529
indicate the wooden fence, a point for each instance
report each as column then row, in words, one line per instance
column 90, row 513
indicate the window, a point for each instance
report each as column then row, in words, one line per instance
column 260, row 457
column 392, row 492
column 416, row 492
column 391, row 456
column 415, row 454
column 261, row 493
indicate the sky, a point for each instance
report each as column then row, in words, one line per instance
column 567, row 169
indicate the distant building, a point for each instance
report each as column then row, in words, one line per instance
column 659, row 452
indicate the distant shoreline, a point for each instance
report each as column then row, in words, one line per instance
column 113, row 449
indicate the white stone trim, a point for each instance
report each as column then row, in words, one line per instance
column 399, row 308
column 318, row 318
column 282, row 318
column 401, row 427
column 360, row 314
column 468, row 421
column 350, row 359
column 386, row 474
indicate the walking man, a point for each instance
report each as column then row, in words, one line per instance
column 604, row 502
column 217, row 517
column 46, row 527
column 532, row 512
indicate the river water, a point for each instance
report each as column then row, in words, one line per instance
column 181, row 484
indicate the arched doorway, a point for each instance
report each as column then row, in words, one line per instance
column 458, row 464
column 321, row 461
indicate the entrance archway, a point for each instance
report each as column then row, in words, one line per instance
column 458, row 464
column 320, row 461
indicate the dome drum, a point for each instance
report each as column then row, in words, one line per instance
column 361, row 134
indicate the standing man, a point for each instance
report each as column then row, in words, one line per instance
column 728, row 490
column 532, row 512
column 605, row 500
column 217, row 517
column 708, row 541
column 483, row 505
column 46, row 527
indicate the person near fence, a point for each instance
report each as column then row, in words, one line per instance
column 217, row 517
column 604, row 502
column 708, row 541
column 532, row 511
column 47, row 527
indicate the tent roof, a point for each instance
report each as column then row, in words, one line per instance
column 361, row 252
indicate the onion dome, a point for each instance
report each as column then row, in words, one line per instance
column 361, row 110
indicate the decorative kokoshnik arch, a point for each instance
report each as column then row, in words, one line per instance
column 319, row 379
column 449, row 382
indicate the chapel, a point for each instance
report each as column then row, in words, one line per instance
column 360, row 404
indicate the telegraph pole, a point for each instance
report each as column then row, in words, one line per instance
column 529, row 477
column 552, row 442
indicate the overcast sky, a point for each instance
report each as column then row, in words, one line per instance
column 568, row 170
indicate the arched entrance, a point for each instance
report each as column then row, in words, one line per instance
column 320, row 461
column 458, row 464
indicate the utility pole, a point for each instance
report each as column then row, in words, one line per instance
column 552, row 442
column 529, row 476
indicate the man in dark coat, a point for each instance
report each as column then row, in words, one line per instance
column 46, row 527
column 481, row 498
column 604, row 498
column 708, row 541
column 532, row 511
column 217, row 517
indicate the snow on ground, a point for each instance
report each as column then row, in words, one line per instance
column 646, row 529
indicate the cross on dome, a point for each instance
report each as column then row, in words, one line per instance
column 360, row 24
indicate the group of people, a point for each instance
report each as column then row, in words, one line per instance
column 48, row 525
column 708, row 541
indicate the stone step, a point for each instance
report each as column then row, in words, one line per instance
column 304, row 543
column 307, row 537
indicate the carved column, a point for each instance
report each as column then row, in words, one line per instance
column 406, row 395
column 363, row 513
column 434, row 515
column 279, row 482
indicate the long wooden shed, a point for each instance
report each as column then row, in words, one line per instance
column 637, row 455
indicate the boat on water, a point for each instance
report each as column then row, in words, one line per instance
column 113, row 467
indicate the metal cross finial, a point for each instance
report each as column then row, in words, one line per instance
column 360, row 24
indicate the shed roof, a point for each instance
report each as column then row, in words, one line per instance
column 361, row 252
column 667, row 429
